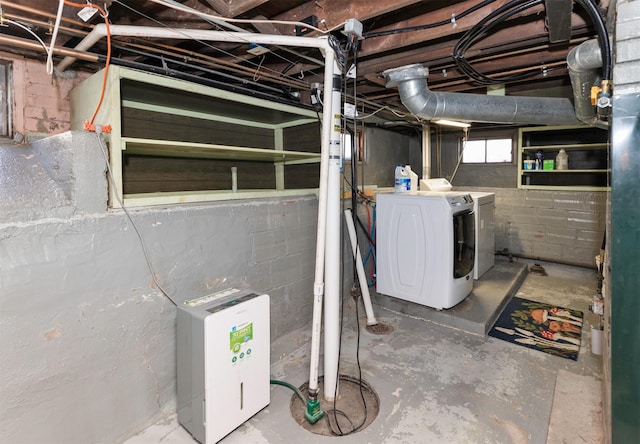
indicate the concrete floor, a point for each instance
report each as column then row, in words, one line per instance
column 439, row 384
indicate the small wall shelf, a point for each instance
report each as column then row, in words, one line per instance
column 588, row 150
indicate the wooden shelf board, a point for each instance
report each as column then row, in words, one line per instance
column 150, row 147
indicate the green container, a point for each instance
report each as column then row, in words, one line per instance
column 548, row 164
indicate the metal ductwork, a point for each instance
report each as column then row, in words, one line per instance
column 411, row 81
column 583, row 62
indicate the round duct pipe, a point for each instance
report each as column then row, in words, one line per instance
column 411, row 81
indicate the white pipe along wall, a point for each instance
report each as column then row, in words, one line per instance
column 328, row 245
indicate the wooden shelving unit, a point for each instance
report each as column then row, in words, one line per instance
column 588, row 150
column 174, row 141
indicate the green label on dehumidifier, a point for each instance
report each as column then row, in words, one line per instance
column 240, row 336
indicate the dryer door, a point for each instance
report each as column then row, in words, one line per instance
column 464, row 239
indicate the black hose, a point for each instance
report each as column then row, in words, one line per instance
column 506, row 11
column 603, row 36
column 482, row 27
column 429, row 25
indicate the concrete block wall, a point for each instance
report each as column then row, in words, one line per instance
column 555, row 226
column 87, row 340
column 626, row 73
column 41, row 102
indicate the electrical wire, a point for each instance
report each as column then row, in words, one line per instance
column 351, row 46
column 450, row 21
column 183, row 8
column 54, row 35
column 108, row 57
column 212, row 47
column 371, row 252
column 103, row 150
column 19, row 25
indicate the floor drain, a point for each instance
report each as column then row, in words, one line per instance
column 355, row 409
column 380, row 329
column 537, row 269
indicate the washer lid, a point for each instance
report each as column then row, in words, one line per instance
column 482, row 197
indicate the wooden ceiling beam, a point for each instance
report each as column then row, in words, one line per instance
column 234, row 8
column 396, row 42
column 336, row 12
column 529, row 34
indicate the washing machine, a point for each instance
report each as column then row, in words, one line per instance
column 425, row 247
column 484, row 210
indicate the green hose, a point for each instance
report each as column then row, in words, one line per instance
column 289, row 386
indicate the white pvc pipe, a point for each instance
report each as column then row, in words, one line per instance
column 329, row 187
column 234, row 179
column 333, row 251
column 100, row 31
column 362, row 276
column 318, row 284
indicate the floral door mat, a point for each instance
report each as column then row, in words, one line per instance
column 548, row 328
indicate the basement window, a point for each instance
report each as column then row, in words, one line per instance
column 5, row 96
column 488, row 150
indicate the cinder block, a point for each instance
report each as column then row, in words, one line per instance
column 627, row 51
column 267, row 245
column 528, row 232
column 553, row 217
column 502, row 242
column 592, row 238
column 287, row 269
column 300, row 238
column 582, row 220
column 626, row 73
column 546, row 250
column 539, row 199
column 570, row 200
column 519, row 246
column 628, row 12
column 526, row 215
column 502, row 213
column 307, row 211
column 259, row 276
column 578, row 255
column 561, row 236
column 509, row 199
column 627, row 31
column 500, row 229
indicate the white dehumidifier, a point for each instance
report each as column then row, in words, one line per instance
column 223, row 350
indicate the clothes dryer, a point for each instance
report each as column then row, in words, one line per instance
column 425, row 247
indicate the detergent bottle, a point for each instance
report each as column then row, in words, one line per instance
column 413, row 189
column 562, row 160
column 402, row 182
